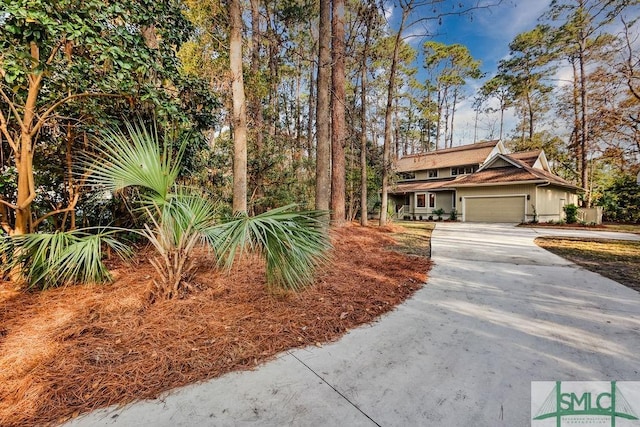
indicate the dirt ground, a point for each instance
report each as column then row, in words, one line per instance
column 67, row 351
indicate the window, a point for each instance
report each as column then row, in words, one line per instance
column 420, row 200
column 432, row 200
column 453, row 200
column 464, row 170
column 406, row 175
column 432, row 173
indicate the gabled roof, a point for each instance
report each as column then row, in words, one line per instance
column 527, row 157
column 535, row 159
column 471, row 154
column 516, row 171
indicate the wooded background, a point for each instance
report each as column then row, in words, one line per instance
column 304, row 101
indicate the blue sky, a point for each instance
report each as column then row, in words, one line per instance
column 487, row 34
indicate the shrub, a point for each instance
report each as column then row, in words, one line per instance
column 571, row 212
column 439, row 212
column 176, row 220
column 453, row 215
column 534, row 220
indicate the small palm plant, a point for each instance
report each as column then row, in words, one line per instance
column 43, row 260
column 177, row 219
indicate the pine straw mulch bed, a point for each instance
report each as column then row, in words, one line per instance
column 67, row 351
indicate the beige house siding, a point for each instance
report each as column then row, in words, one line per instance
column 549, row 203
column 500, row 163
column 424, row 174
column 444, row 200
column 444, row 172
column 421, row 175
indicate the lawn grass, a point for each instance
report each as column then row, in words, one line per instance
column 625, row 228
column 616, row 259
column 415, row 239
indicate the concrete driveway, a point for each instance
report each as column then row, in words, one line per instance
column 497, row 313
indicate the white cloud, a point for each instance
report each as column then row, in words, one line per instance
column 508, row 20
column 388, row 7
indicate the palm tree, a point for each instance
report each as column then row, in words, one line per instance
column 177, row 219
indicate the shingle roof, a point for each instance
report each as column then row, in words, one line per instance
column 528, row 157
column 510, row 174
column 471, row 154
column 410, row 187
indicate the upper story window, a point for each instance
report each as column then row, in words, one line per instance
column 432, row 173
column 464, row 170
column 406, row 175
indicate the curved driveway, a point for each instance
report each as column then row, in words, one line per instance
column 497, row 313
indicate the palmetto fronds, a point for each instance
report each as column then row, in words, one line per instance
column 51, row 259
column 179, row 218
column 135, row 158
column 292, row 243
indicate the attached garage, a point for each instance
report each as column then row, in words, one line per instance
column 494, row 209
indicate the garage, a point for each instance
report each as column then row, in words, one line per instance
column 494, row 209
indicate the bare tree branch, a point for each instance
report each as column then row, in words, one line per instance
column 10, row 205
column 5, row 132
column 12, row 106
column 70, row 207
column 43, row 118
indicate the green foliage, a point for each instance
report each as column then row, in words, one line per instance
column 134, row 159
column 292, row 243
column 452, row 63
column 178, row 218
column 621, row 200
column 571, row 213
column 453, row 215
column 124, row 49
column 534, row 220
column 439, row 212
column 52, row 259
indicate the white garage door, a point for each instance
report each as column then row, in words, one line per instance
column 494, row 209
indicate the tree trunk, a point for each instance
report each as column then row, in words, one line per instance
column 445, row 98
column 239, row 109
column 364, row 220
column 338, row 125
column 310, row 106
column 530, row 110
column 24, row 157
column 256, row 105
column 453, row 114
column 386, row 151
column 584, row 124
column 438, row 117
column 502, row 108
column 24, row 167
column 323, row 144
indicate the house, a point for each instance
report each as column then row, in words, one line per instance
column 480, row 182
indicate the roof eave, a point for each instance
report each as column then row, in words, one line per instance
column 493, row 184
column 537, row 182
